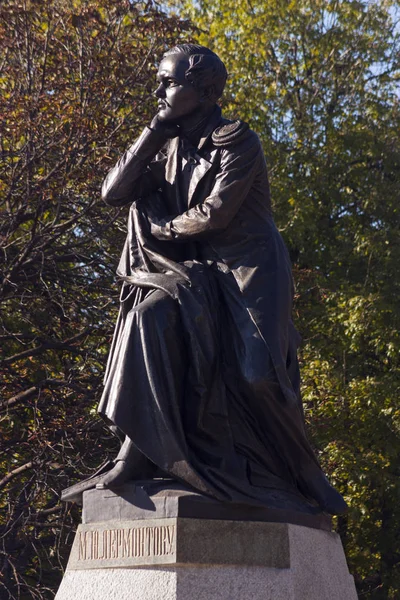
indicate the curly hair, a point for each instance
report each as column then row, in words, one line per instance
column 206, row 69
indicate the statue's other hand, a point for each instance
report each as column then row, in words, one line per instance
column 167, row 128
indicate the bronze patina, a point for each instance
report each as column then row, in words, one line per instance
column 202, row 379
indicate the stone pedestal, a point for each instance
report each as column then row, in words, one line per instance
column 129, row 554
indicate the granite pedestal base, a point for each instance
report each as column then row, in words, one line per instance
column 170, row 555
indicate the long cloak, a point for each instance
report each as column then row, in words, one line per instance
column 203, row 374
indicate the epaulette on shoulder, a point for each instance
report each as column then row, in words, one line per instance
column 230, row 133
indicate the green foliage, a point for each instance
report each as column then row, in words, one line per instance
column 75, row 83
column 319, row 82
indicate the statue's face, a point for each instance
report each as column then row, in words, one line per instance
column 177, row 98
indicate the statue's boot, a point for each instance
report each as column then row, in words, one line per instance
column 129, row 464
column 74, row 492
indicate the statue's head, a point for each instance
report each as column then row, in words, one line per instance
column 191, row 78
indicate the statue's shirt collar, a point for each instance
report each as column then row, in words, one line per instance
column 188, row 148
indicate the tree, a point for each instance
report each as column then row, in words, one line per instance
column 319, row 82
column 75, row 80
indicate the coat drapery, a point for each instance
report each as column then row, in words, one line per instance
column 203, row 374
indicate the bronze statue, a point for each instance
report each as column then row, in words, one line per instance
column 203, row 378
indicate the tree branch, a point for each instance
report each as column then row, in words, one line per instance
column 48, row 345
column 14, row 473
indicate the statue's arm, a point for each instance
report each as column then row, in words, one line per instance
column 138, row 172
column 238, row 168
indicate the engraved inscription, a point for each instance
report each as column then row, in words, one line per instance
column 135, row 542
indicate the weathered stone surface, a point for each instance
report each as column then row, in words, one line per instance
column 119, row 552
column 151, row 501
column 180, row 542
column 316, row 570
column 318, row 566
column 213, row 583
column 124, row 544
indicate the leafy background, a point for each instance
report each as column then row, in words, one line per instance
column 319, row 82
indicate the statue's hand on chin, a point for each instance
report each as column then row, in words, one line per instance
column 168, row 128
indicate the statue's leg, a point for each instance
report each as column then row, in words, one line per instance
column 145, row 387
